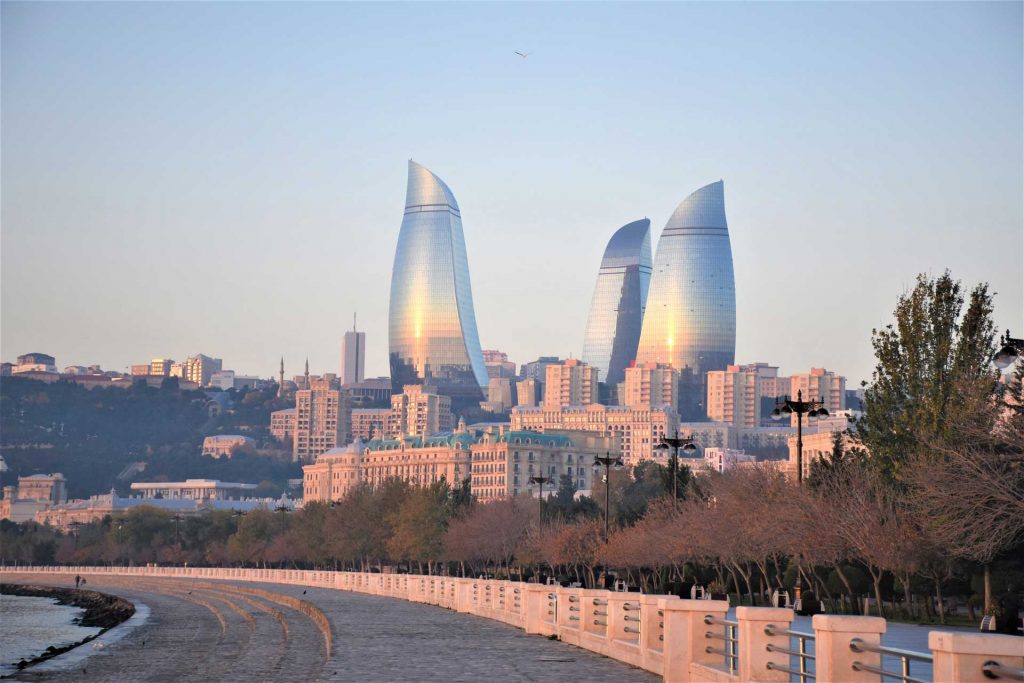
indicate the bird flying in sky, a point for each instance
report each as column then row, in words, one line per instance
column 524, row 55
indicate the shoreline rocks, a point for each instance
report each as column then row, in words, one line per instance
column 101, row 611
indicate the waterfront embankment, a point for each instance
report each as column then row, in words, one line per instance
column 99, row 611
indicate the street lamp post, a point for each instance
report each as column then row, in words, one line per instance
column 177, row 536
column 785, row 408
column 540, row 498
column 673, row 444
column 1011, row 350
column 120, row 541
column 608, row 461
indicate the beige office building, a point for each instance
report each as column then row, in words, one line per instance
column 282, row 425
column 161, row 367
column 529, row 392
column 819, row 385
column 200, row 369
column 372, row 423
column 504, row 461
column 224, row 445
column 734, row 394
column 321, row 418
column 636, row 431
column 418, row 460
column 651, row 385
column 570, row 383
column 498, row 463
column 416, row 412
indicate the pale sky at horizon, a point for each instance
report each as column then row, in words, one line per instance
column 229, row 178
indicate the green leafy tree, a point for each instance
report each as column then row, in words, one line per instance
column 933, row 362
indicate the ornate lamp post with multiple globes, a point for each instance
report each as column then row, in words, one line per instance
column 608, row 461
column 1010, row 352
column 673, row 444
column 785, row 408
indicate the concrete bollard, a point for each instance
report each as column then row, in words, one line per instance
column 833, row 657
column 754, row 655
column 684, row 636
column 961, row 656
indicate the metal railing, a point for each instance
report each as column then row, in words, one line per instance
column 995, row 670
column 905, row 657
column 553, row 606
column 731, row 649
column 631, row 607
column 801, row 672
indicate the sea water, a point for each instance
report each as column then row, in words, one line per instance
column 29, row 625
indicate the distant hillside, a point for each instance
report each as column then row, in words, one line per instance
column 93, row 435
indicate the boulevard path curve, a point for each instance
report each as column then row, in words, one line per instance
column 205, row 630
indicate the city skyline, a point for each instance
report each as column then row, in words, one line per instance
column 191, row 214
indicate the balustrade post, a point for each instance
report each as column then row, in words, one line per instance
column 624, row 626
column 753, row 642
column 833, row 657
column 652, row 630
column 537, row 604
column 684, row 636
column 961, row 656
column 569, row 613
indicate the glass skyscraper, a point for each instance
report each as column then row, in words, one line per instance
column 431, row 325
column 690, row 320
column 617, row 309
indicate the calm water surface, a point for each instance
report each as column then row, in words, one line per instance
column 29, row 625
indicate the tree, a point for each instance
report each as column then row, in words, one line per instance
column 420, row 524
column 970, row 491
column 870, row 514
column 934, row 350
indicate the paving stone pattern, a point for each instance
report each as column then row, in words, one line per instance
column 209, row 631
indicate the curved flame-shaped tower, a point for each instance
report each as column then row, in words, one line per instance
column 617, row 309
column 690, row 320
column 431, row 325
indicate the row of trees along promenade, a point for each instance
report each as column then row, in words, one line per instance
column 923, row 501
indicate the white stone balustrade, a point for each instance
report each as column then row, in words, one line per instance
column 662, row 634
column 961, row 656
column 753, row 656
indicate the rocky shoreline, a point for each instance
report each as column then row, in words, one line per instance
column 101, row 611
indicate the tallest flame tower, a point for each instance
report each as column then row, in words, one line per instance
column 431, row 324
column 690, row 321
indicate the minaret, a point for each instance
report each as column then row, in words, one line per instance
column 307, row 373
column 280, row 380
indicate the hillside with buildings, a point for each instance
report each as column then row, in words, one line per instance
column 104, row 438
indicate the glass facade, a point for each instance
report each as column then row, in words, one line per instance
column 690, row 320
column 617, row 309
column 431, row 324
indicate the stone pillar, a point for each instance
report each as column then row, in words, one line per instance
column 651, row 629
column 753, row 652
column 594, row 604
column 540, row 609
column 960, row 656
column 684, row 636
column 833, row 657
column 569, row 613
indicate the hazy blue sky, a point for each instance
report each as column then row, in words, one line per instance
column 229, row 178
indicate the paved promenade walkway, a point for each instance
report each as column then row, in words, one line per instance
column 225, row 631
